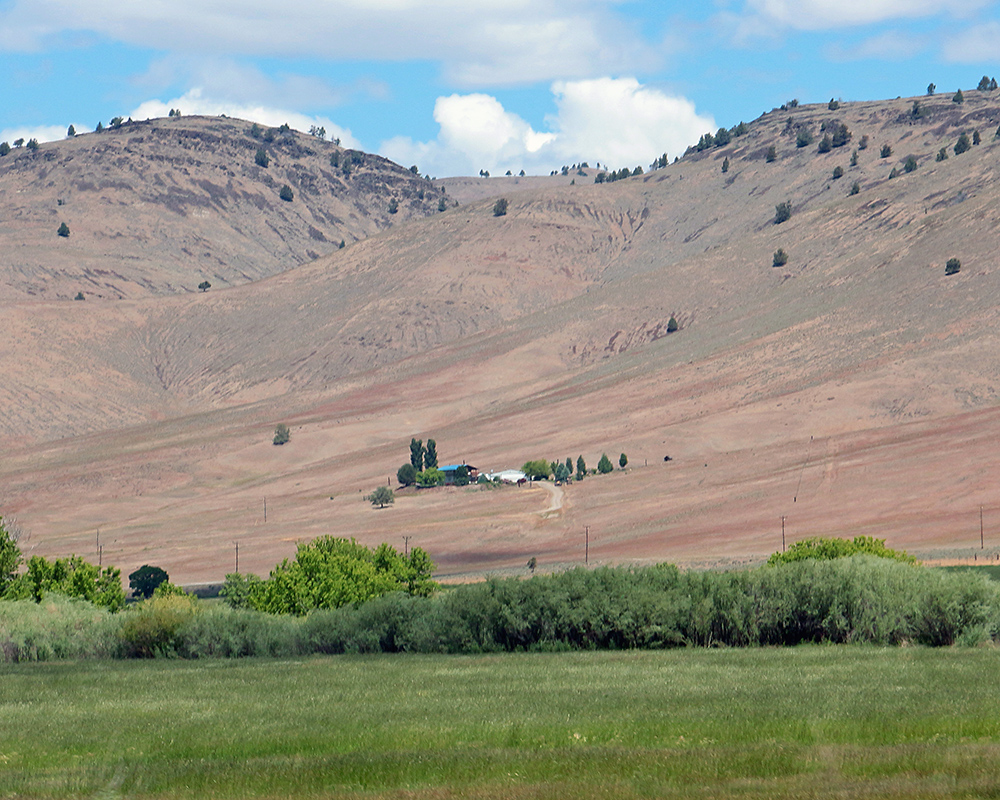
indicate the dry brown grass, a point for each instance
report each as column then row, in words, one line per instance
column 852, row 391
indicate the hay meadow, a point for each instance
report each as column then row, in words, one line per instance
column 808, row 721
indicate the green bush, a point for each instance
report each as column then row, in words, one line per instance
column 780, row 258
column 58, row 627
column 772, row 152
column 281, row 434
column 261, row 158
column 804, row 138
column 838, row 172
column 958, row 97
column 952, row 267
column 500, row 207
column 855, row 188
column 286, row 193
column 604, row 466
column 963, row 144
column 63, row 230
column 942, row 154
column 910, row 165
column 886, row 151
column 223, row 632
column 825, row 144
column 151, row 628
column 827, row 548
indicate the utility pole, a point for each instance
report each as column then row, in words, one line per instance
column 406, row 545
column 265, row 509
column 982, row 543
column 237, row 557
column 100, row 555
column 782, row 533
column 586, row 550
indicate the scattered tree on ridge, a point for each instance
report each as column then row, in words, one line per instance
column 581, row 468
column 604, row 466
column 958, row 97
column 281, row 434
column 63, row 230
column 963, row 144
column 381, row 497
column 780, row 258
column 286, row 193
column 204, row 286
column 952, row 267
column 500, row 207
column 623, row 461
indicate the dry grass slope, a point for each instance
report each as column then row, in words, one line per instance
column 852, row 390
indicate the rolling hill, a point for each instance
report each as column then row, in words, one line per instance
column 850, row 391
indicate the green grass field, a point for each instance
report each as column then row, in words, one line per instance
column 817, row 721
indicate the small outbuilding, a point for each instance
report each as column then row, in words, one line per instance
column 451, row 473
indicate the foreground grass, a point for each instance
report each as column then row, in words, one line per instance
column 804, row 722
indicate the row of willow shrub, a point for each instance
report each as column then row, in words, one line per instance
column 861, row 599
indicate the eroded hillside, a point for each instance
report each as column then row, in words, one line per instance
column 823, row 390
column 157, row 207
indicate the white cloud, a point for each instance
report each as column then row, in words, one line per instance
column 825, row 14
column 479, row 42
column 194, row 102
column 978, row 44
column 43, row 133
column 889, row 46
column 614, row 121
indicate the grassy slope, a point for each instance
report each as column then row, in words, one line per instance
column 812, row 722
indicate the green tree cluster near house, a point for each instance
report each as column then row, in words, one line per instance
column 330, row 572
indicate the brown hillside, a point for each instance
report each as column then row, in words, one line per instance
column 157, row 207
column 852, row 390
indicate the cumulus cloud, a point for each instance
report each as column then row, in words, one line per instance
column 43, row 133
column 479, row 42
column 825, row 14
column 614, row 121
column 194, row 102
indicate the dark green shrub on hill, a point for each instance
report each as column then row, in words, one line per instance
column 825, row 144
column 863, row 142
column 261, row 158
column 963, row 144
column 782, row 212
column 855, row 189
column 604, row 466
column 772, row 151
column 886, row 151
column 780, row 258
column 838, row 172
column 942, row 154
column 976, row 138
column 958, row 97
column 910, row 165
column 286, row 193
column 952, row 267
column 804, row 138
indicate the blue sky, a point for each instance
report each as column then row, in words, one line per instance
column 456, row 86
